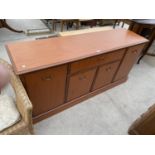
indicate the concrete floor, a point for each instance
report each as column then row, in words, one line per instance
column 111, row 112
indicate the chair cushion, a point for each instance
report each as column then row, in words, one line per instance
column 9, row 114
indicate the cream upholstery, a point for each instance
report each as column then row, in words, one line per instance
column 9, row 114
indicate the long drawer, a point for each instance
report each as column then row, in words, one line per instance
column 96, row 60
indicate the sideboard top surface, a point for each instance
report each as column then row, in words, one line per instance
column 28, row 56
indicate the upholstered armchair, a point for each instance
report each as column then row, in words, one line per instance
column 23, row 104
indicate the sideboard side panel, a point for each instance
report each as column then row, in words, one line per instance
column 129, row 60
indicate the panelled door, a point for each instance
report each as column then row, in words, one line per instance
column 46, row 88
column 80, row 84
column 105, row 74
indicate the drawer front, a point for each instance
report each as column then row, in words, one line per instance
column 111, row 57
column 96, row 60
column 129, row 60
column 46, row 88
column 105, row 74
column 80, row 84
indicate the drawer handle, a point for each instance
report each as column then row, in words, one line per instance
column 134, row 51
column 47, row 78
column 108, row 69
column 82, row 78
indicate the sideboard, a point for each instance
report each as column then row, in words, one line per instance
column 58, row 73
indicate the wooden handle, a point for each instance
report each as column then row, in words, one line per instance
column 47, row 78
column 82, row 77
column 134, row 51
column 108, row 69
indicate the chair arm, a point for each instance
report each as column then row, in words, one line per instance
column 22, row 101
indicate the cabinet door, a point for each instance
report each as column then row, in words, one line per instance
column 46, row 88
column 80, row 84
column 129, row 60
column 105, row 74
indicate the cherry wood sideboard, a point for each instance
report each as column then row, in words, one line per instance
column 58, row 73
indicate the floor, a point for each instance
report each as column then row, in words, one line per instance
column 111, row 112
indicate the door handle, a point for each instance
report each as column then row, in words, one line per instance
column 82, row 77
column 135, row 51
column 47, row 78
column 108, row 69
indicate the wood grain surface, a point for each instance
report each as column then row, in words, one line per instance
column 30, row 56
